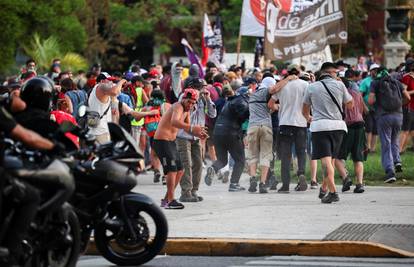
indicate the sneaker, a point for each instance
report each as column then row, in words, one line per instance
column 302, row 185
column 199, row 198
column 164, row 203
column 226, row 175
column 330, row 197
column 188, row 198
column 346, row 184
column 164, row 180
column 219, row 175
column 322, row 193
column 262, row 188
column 398, row 167
column 273, row 184
column 253, row 184
column 174, row 205
column 236, row 188
column 157, row 176
column 283, row 190
column 208, row 179
column 359, row 188
column 314, row 185
column 390, row 178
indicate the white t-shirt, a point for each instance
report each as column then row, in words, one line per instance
column 291, row 103
column 96, row 105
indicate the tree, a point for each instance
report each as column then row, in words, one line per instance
column 44, row 51
column 21, row 19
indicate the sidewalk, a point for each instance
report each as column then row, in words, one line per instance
column 298, row 216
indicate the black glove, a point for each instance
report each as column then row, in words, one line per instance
column 58, row 149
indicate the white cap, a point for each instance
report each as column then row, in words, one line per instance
column 374, row 66
column 268, row 82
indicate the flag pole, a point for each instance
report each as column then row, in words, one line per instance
column 340, row 51
column 238, row 48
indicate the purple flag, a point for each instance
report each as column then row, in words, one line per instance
column 192, row 56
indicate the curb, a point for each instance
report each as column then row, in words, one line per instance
column 263, row 247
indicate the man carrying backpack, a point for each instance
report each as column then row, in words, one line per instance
column 386, row 93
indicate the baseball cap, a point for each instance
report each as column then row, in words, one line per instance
column 105, row 76
column 328, row 65
column 409, row 61
column 374, row 66
column 293, row 67
column 190, row 93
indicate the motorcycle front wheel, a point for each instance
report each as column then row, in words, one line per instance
column 116, row 244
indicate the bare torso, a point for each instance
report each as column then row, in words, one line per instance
column 166, row 131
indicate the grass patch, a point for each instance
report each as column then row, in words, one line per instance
column 373, row 171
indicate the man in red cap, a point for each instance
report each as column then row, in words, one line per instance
column 177, row 117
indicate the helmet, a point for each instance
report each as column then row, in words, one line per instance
column 38, row 93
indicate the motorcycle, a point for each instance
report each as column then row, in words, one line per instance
column 54, row 236
column 128, row 227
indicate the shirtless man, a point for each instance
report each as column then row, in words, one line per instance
column 177, row 117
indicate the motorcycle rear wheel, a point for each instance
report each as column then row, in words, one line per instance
column 55, row 257
column 119, row 248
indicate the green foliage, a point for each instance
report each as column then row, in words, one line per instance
column 231, row 20
column 73, row 62
column 21, row 19
column 44, row 51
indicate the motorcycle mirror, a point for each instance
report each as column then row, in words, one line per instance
column 82, row 111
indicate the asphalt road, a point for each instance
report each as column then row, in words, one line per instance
column 184, row 261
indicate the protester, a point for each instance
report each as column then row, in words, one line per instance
column 100, row 102
column 370, row 120
column 407, row 129
column 137, row 84
column 259, row 133
column 228, row 138
column 172, row 84
column 189, row 146
column 386, row 94
column 156, row 102
column 326, row 98
column 354, row 141
column 292, row 127
column 177, row 117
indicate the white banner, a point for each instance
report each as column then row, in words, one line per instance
column 254, row 14
column 314, row 61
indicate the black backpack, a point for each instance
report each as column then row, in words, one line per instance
column 389, row 95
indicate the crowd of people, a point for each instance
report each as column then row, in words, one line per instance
column 236, row 120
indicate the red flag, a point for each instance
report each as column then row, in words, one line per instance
column 208, row 34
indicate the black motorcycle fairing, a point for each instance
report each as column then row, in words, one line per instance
column 113, row 172
column 118, row 134
column 55, row 177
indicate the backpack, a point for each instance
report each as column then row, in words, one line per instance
column 79, row 98
column 239, row 105
column 389, row 94
column 151, row 122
